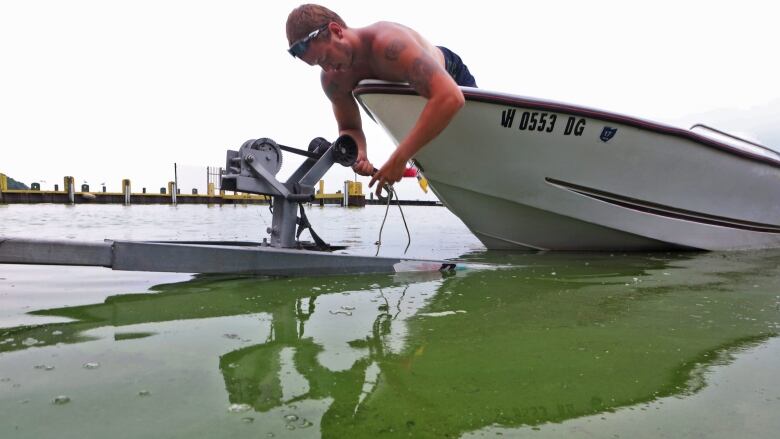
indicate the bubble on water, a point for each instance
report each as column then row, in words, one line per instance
column 231, row 336
column 43, row 367
column 248, row 420
column 270, row 435
column 348, row 308
column 91, row 365
column 60, row 400
column 239, row 408
column 290, row 427
column 56, row 332
column 29, row 341
column 305, row 424
column 291, row 418
column 346, row 313
column 144, row 393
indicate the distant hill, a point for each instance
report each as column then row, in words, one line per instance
column 16, row 185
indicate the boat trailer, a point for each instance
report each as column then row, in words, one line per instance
column 251, row 169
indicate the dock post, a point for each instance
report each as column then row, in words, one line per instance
column 356, row 193
column 345, row 201
column 172, row 191
column 126, row 190
column 3, row 186
column 210, row 190
column 70, row 188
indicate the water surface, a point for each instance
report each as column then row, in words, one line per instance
column 551, row 345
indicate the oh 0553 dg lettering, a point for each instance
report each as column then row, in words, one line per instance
column 542, row 122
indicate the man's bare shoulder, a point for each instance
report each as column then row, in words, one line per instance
column 388, row 26
column 384, row 33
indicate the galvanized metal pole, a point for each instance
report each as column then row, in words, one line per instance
column 175, row 183
column 126, row 191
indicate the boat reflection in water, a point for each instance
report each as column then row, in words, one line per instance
column 553, row 337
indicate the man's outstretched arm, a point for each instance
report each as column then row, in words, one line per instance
column 444, row 100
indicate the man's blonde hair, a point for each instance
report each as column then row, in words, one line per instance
column 306, row 18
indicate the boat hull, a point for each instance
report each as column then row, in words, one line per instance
column 530, row 174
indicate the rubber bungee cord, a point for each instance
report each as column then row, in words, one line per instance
column 390, row 192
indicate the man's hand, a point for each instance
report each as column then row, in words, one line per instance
column 362, row 166
column 391, row 172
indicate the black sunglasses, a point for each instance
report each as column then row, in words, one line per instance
column 298, row 48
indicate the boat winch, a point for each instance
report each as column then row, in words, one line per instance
column 253, row 169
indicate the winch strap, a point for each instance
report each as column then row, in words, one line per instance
column 303, row 224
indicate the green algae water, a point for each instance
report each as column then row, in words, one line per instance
column 548, row 345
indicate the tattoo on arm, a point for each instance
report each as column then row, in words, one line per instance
column 393, row 51
column 420, row 75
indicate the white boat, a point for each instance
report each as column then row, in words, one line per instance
column 531, row 174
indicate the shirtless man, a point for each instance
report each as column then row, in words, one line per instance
column 386, row 51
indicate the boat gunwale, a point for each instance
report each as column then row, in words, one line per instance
column 489, row 97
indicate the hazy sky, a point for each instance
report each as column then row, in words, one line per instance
column 105, row 90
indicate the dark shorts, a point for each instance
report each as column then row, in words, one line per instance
column 455, row 67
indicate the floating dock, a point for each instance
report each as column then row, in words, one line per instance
column 165, row 195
